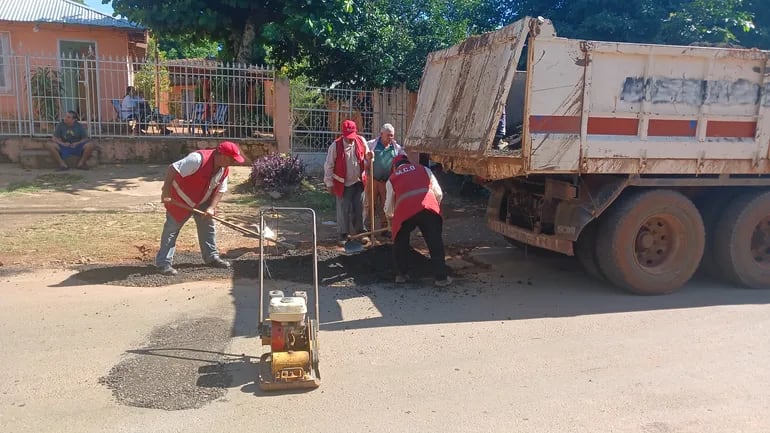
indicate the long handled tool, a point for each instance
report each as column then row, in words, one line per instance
column 371, row 197
column 232, row 225
column 353, row 245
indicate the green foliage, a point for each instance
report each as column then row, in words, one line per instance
column 151, row 74
column 243, row 27
column 383, row 43
column 46, row 89
column 680, row 22
column 185, row 47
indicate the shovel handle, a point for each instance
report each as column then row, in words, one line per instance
column 229, row 224
column 360, row 235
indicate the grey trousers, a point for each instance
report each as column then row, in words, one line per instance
column 350, row 210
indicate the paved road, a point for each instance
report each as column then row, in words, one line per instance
column 527, row 345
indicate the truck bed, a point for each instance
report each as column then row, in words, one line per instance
column 589, row 107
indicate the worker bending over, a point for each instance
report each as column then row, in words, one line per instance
column 413, row 199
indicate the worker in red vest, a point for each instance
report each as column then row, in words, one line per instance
column 413, row 199
column 196, row 181
column 345, row 177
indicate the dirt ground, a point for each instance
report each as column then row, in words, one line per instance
column 111, row 215
column 93, row 340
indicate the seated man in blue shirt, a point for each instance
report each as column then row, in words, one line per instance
column 70, row 139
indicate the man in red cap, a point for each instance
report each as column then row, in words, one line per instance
column 345, row 178
column 413, row 199
column 196, row 181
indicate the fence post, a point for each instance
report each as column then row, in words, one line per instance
column 28, row 70
column 282, row 115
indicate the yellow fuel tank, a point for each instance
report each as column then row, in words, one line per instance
column 290, row 365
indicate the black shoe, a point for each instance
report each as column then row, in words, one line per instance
column 216, row 262
column 167, row 270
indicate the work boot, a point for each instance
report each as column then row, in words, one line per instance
column 401, row 279
column 167, row 270
column 443, row 283
column 216, row 262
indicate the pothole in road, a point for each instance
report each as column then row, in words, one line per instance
column 372, row 266
column 182, row 366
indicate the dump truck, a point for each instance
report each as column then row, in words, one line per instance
column 645, row 161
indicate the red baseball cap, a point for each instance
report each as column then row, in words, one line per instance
column 349, row 129
column 231, row 149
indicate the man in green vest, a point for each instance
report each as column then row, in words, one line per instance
column 385, row 149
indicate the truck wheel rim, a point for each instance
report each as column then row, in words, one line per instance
column 655, row 242
column 760, row 243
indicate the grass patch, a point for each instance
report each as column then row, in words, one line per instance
column 91, row 237
column 45, row 182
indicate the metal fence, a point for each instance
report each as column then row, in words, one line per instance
column 169, row 98
column 318, row 113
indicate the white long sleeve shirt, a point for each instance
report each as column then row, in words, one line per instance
column 353, row 173
column 390, row 205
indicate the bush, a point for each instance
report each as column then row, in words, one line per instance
column 277, row 172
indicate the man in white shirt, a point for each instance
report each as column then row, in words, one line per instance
column 197, row 181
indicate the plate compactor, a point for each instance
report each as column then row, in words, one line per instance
column 291, row 330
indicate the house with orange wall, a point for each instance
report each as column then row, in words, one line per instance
column 85, row 55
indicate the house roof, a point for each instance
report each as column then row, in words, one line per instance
column 59, row 11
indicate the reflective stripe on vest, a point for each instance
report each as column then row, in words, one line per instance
column 338, row 178
column 182, row 195
column 410, row 194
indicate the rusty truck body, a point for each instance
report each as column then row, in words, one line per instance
column 645, row 161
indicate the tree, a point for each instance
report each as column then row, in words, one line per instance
column 243, row 27
column 655, row 21
column 184, row 47
column 151, row 74
column 382, row 42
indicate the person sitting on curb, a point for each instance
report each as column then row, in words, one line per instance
column 70, row 139
column 196, row 181
column 414, row 201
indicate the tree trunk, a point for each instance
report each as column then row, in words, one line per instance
column 244, row 41
column 243, row 57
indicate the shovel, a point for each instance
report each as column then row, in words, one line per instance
column 236, row 227
column 354, row 246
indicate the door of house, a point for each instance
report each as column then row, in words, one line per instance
column 78, row 78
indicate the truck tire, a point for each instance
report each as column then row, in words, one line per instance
column 585, row 250
column 742, row 241
column 711, row 214
column 652, row 242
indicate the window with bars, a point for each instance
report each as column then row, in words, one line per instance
column 5, row 62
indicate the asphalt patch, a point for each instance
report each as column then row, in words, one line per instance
column 182, row 366
column 374, row 265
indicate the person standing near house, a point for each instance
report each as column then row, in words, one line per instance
column 345, row 178
column 196, row 181
column 384, row 149
column 70, row 138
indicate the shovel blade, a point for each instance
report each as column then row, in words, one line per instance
column 353, row 247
